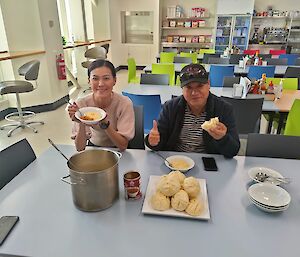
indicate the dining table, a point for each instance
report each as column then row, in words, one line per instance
column 281, row 106
column 238, row 71
column 51, row 225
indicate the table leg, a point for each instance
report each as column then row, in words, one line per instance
column 282, row 116
column 74, row 81
column 270, row 123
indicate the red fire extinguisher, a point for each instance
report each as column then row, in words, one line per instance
column 60, row 66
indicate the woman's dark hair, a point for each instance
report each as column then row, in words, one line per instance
column 102, row 63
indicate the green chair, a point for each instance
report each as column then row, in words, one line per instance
column 288, row 83
column 178, row 83
column 132, row 78
column 167, row 57
column 207, row 51
column 292, row 127
column 165, row 68
column 193, row 56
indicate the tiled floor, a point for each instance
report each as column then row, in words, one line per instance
column 58, row 125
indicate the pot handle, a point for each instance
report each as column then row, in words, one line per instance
column 80, row 182
column 118, row 154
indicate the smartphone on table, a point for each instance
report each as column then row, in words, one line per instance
column 6, row 225
column 209, row 164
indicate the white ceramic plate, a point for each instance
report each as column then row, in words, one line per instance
column 151, row 189
column 253, row 171
column 269, row 195
column 266, row 206
column 186, row 159
column 267, row 209
column 85, row 110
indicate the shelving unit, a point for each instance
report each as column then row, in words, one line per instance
column 294, row 35
column 187, row 32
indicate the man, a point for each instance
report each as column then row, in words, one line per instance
column 179, row 125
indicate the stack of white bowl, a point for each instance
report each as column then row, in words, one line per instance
column 268, row 197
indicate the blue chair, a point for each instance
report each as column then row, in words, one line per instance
column 152, row 106
column 218, row 72
column 291, row 58
column 257, row 71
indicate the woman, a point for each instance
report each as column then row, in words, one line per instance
column 118, row 126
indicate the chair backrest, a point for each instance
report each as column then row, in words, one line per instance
column 106, row 47
column 264, row 56
column 207, row 51
column 257, row 71
column 273, row 145
column 180, row 59
column 155, row 79
column 138, row 141
column 167, row 57
column 277, row 52
column 165, row 68
column 131, row 69
column 97, row 52
column 292, row 127
column 218, row 72
column 30, row 70
column 14, row 159
column 297, row 62
column 235, row 58
column 291, row 58
column 229, row 81
column 247, row 113
column 251, row 51
column 169, row 49
column 218, row 60
column 206, row 56
column 288, row 83
column 293, row 72
column 152, row 106
column 186, row 50
column 193, row 56
column 277, row 61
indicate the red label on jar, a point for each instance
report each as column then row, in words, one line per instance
column 132, row 182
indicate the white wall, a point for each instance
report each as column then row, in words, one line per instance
column 288, row 5
column 235, row 6
column 77, row 21
column 101, row 20
column 3, row 41
column 144, row 53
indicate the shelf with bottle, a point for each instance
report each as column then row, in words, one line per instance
column 270, row 17
column 187, row 45
column 180, row 28
column 189, row 18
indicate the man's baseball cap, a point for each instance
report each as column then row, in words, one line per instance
column 193, row 73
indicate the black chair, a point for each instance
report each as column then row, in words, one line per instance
column 293, row 72
column 14, row 159
column 277, row 61
column 186, row 50
column 265, row 56
column 229, row 81
column 207, row 56
column 168, row 50
column 138, row 141
column 297, row 62
column 179, row 59
column 106, row 46
column 218, row 60
column 270, row 145
column 235, row 58
column 154, row 79
column 247, row 113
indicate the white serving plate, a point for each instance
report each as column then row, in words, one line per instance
column 151, row 189
column 85, row 110
column 270, row 195
column 181, row 157
column 268, row 209
column 253, row 171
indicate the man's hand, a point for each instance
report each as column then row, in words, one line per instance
column 154, row 136
column 218, row 131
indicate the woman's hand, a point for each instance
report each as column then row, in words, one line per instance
column 72, row 108
column 218, row 131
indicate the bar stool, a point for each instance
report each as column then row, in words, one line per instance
column 19, row 119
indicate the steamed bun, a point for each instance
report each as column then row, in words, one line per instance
column 194, row 208
column 191, row 186
column 180, row 200
column 210, row 123
column 177, row 175
column 169, row 186
column 160, row 202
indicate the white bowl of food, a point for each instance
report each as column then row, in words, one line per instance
column 90, row 115
column 179, row 162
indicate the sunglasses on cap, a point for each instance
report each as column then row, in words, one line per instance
column 193, row 73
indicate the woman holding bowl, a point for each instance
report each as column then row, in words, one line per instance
column 118, row 126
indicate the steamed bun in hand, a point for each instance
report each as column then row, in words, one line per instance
column 177, row 175
column 191, row 186
column 160, row 202
column 169, row 186
column 194, row 208
column 180, row 200
column 210, row 123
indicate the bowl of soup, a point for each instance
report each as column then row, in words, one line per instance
column 90, row 115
